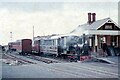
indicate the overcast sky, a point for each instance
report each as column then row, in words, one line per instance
column 49, row 17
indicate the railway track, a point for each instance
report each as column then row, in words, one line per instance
column 46, row 60
column 38, row 58
column 83, row 70
column 10, row 58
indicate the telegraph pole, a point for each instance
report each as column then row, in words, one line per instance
column 11, row 36
column 33, row 33
column 33, row 36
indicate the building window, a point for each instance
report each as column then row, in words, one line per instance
column 108, row 26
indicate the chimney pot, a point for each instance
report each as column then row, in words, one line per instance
column 93, row 17
column 89, row 18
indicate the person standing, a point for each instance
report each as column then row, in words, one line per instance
column 86, row 49
column 104, row 47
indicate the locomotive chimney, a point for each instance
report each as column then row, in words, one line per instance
column 89, row 18
column 93, row 17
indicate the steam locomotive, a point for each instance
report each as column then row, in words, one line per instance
column 56, row 45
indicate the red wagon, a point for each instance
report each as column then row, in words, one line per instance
column 22, row 46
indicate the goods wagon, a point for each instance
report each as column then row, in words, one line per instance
column 22, row 46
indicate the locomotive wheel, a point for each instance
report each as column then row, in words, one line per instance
column 19, row 53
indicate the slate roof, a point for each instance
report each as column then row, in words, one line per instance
column 93, row 26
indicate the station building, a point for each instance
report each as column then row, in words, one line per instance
column 98, row 32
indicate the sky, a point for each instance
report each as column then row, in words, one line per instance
column 49, row 17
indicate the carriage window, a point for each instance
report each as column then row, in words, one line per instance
column 36, row 42
column 18, row 43
column 46, row 42
column 53, row 42
column 80, row 41
column 62, row 41
column 49, row 42
column 58, row 41
column 42, row 42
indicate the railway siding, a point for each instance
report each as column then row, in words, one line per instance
column 14, row 60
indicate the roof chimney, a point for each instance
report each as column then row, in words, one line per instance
column 89, row 18
column 93, row 17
